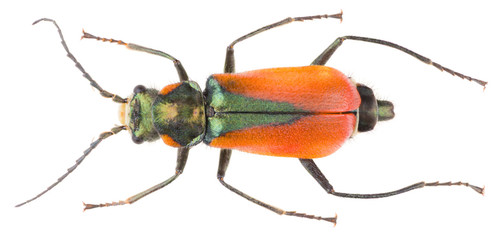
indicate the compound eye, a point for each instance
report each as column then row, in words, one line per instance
column 139, row 89
column 137, row 140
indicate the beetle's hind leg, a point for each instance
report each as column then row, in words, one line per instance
column 323, row 58
column 222, row 168
column 311, row 167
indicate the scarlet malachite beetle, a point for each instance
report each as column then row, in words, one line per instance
column 301, row 112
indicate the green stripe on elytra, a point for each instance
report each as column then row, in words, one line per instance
column 223, row 123
column 221, row 100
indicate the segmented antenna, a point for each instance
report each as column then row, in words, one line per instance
column 103, row 92
column 92, row 146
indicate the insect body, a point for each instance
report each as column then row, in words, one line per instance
column 301, row 112
column 259, row 111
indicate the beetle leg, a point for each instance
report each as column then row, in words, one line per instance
column 328, row 52
column 178, row 65
column 311, row 167
column 104, row 93
column 222, row 168
column 229, row 59
column 182, row 154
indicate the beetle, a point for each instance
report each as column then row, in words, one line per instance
column 300, row 112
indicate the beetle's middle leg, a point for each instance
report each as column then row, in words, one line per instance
column 311, row 167
column 229, row 59
column 222, row 168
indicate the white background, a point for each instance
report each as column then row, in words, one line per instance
column 443, row 130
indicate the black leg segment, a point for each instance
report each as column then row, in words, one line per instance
column 328, row 52
column 312, row 169
column 182, row 154
column 229, row 59
column 222, row 168
column 178, row 65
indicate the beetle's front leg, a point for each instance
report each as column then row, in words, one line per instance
column 182, row 154
column 178, row 65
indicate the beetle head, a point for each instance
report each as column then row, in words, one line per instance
column 136, row 114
